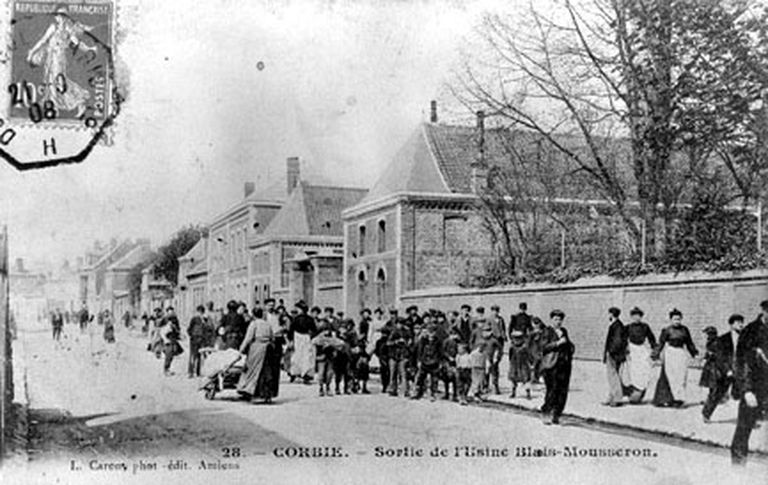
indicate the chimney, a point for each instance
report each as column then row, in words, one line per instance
column 433, row 111
column 479, row 176
column 293, row 172
column 248, row 188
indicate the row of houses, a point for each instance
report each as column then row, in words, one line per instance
column 416, row 227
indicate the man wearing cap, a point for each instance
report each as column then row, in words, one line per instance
column 464, row 323
column 638, row 366
column 521, row 321
column 301, row 330
column 496, row 344
column 751, row 374
column 412, row 319
column 723, row 360
column 381, row 350
column 614, row 355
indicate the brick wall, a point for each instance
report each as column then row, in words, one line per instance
column 704, row 298
column 442, row 246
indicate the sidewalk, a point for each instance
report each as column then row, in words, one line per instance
column 589, row 388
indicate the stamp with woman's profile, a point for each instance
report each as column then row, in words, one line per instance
column 61, row 96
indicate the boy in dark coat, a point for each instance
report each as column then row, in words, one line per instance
column 448, row 371
column 717, row 374
column 429, row 355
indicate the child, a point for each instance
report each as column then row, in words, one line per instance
column 326, row 344
column 448, row 372
column 342, row 368
column 429, row 354
column 478, row 360
column 464, row 372
column 519, row 362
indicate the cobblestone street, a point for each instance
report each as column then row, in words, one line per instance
column 130, row 419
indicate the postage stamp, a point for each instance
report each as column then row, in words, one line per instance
column 60, row 76
column 60, row 66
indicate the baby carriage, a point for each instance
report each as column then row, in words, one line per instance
column 222, row 370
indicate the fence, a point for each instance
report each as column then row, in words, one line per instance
column 704, row 298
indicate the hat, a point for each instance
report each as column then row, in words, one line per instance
column 301, row 305
column 710, row 330
column 636, row 311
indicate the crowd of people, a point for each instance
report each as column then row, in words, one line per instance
column 417, row 353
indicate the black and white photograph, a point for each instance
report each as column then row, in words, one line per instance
column 383, row 241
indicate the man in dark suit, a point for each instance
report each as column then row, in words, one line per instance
column 723, row 366
column 464, row 323
column 614, row 354
column 751, row 373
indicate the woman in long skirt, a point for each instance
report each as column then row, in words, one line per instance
column 640, row 344
column 675, row 350
column 255, row 382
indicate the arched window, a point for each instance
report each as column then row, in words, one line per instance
column 381, row 287
column 361, row 241
column 362, row 282
column 382, row 237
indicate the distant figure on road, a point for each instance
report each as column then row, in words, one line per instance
column 675, row 350
column 57, row 322
column 109, row 327
column 556, row 364
column 85, row 317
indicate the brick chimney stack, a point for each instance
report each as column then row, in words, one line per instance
column 293, row 172
column 479, row 176
column 433, row 111
column 249, row 188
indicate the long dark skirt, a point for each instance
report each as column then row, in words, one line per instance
column 255, row 378
column 663, row 394
column 274, row 359
column 519, row 364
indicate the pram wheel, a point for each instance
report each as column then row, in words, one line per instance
column 210, row 393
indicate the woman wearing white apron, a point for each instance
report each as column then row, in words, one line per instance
column 637, row 369
column 675, row 350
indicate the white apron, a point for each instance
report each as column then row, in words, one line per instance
column 303, row 358
column 676, row 368
column 637, row 368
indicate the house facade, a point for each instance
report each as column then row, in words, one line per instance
column 418, row 227
column 300, row 254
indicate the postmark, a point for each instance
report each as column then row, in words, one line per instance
column 61, row 98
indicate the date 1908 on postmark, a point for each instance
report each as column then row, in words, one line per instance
column 61, row 77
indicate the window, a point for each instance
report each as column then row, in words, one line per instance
column 382, row 236
column 265, row 295
column 381, row 287
column 361, row 241
column 361, row 284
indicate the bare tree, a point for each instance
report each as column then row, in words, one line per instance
column 637, row 95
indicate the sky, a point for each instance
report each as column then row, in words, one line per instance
column 222, row 92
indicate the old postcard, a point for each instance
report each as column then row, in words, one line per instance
column 331, row 242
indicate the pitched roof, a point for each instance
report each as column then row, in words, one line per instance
column 197, row 268
column 437, row 159
column 135, row 256
column 313, row 210
column 196, row 253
